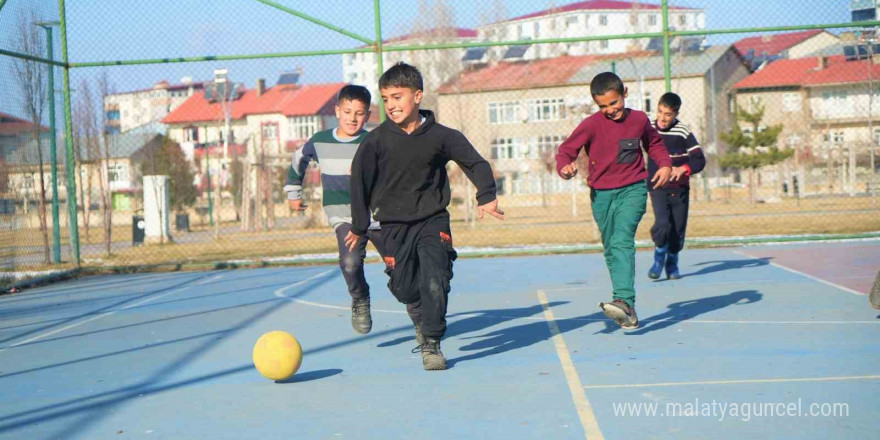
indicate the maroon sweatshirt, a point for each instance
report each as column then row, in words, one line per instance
column 614, row 149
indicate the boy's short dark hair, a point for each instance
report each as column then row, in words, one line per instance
column 605, row 82
column 671, row 101
column 352, row 92
column 401, row 75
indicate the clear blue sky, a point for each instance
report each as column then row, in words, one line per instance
column 134, row 29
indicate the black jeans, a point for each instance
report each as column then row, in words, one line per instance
column 670, row 217
column 418, row 260
column 352, row 263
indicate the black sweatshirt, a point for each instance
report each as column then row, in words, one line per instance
column 402, row 177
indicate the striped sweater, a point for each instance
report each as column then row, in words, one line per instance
column 683, row 149
column 334, row 157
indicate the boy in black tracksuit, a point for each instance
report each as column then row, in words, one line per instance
column 670, row 202
column 399, row 171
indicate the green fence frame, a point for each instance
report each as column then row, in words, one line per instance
column 373, row 46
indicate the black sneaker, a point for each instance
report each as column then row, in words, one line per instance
column 621, row 313
column 361, row 321
column 432, row 357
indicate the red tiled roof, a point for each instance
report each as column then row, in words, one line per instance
column 806, row 72
column 774, row 44
column 523, row 75
column 459, row 33
column 14, row 125
column 288, row 100
column 596, row 5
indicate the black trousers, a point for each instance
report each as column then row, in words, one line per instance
column 352, row 263
column 670, row 217
column 418, row 260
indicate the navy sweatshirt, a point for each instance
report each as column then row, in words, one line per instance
column 614, row 149
column 684, row 150
column 402, row 177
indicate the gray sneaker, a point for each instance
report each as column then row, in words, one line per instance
column 432, row 357
column 874, row 296
column 361, row 321
column 621, row 313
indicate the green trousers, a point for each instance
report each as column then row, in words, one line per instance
column 617, row 213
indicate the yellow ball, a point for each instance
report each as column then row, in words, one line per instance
column 277, row 355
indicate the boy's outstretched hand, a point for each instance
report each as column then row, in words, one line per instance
column 351, row 239
column 296, row 205
column 677, row 172
column 569, row 171
column 661, row 177
column 492, row 209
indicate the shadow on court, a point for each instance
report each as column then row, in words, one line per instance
column 684, row 310
column 723, row 265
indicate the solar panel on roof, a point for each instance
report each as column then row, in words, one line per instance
column 516, row 52
column 850, row 53
column 474, row 54
column 288, row 78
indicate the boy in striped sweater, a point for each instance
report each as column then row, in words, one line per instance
column 670, row 203
column 333, row 150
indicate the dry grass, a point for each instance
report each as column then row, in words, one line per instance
column 529, row 222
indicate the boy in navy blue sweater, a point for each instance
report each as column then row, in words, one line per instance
column 670, row 203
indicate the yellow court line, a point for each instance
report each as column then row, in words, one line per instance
column 734, row 382
column 581, row 403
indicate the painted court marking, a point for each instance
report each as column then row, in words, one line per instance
column 581, row 403
column 96, row 317
column 829, row 283
column 735, row 382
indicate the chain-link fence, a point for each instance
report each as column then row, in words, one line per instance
column 780, row 96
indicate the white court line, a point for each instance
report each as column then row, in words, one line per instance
column 538, row 318
column 95, row 318
column 280, row 292
column 584, row 409
column 829, row 283
column 211, row 278
column 734, row 382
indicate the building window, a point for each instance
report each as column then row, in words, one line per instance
column 838, row 138
column 503, row 148
column 682, row 20
column 633, row 19
column 270, row 131
column 877, row 136
column 647, row 102
column 537, row 29
column 304, row 127
column 546, row 146
column 503, row 112
column 603, row 20
column 604, row 44
column 191, row 134
column 113, row 115
column 550, row 109
column 652, row 19
column 117, row 172
column 571, row 22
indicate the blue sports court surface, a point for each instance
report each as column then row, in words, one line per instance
column 774, row 341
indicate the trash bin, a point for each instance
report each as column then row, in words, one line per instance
column 137, row 230
column 181, row 222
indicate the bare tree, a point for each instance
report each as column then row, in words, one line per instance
column 105, row 89
column 31, row 77
column 89, row 138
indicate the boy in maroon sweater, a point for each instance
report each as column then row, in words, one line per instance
column 613, row 139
